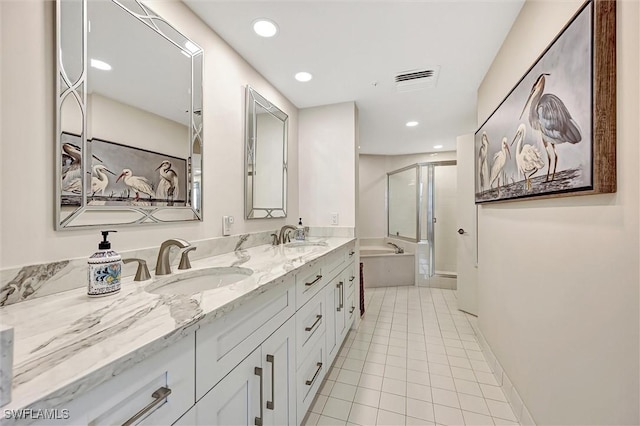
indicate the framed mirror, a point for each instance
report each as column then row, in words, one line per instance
column 265, row 158
column 129, row 117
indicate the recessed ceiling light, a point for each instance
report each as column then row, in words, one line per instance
column 303, row 76
column 437, row 146
column 101, row 65
column 265, row 27
column 412, row 123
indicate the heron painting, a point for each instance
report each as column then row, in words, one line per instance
column 137, row 175
column 549, row 119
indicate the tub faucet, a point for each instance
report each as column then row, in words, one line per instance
column 163, row 265
column 399, row 250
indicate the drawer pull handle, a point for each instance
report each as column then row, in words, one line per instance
column 313, row 379
column 258, row 420
column 318, row 278
column 318, row 318
column 340, row 296
column 158, row 396
column 352, row 278
column 353, row 308
column 351, row 253
column 271, row 404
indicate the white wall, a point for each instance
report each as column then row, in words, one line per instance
column 373, row 186
column 372, row 208
column 125, row 124
column 327, row 164
column 558, row 292
column 28, row 140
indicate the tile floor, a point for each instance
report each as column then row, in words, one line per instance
column 414, row 360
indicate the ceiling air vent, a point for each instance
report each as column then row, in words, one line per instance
column 417, row 79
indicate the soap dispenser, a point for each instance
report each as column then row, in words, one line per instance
column 105, row 267
column 300, row 231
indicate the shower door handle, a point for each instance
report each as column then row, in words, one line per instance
column 461, row 231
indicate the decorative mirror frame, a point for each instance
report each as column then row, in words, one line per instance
column 254, row 100
column 65, row 87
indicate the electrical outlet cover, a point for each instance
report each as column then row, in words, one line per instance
column 334, row 218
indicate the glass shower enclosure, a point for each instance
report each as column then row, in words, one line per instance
column 421, row 208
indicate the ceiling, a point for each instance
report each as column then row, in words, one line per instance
column 355, row 48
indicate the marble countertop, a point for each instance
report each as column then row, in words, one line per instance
column 67, row 343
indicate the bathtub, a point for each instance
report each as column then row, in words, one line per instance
column 382, row 267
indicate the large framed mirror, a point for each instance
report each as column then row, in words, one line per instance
column 129, row 117
column 265, row 158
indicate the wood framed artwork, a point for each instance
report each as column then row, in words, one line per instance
column 555, row 132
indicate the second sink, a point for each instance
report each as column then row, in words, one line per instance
column 196, row 281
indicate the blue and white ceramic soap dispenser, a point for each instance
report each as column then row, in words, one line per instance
column 105, row 268
column 300, row 231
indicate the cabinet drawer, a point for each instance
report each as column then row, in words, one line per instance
column 309, row 281
column 352, row 308
column 335, row 262
column 128, row 393
column 350, row 277
column 310, row 325
column 309, row 377
column 221, row 345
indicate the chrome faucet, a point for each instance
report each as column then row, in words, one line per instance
column 163, row 265
column 399, row 250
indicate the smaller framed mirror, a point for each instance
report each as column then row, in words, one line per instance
column 266, row 128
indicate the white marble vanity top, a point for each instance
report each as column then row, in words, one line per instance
column 68, row 343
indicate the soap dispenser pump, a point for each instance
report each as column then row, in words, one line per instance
column 300, row 231
column 105, row 269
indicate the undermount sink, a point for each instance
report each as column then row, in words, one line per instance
column 199, row 280
column 296, row 244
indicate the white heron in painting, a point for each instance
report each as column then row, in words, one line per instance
column 483, row 165
column 101, row 180
column 527, row 156
column 549, row 115
column 168, row 184
column 137, row 183
column 499, row 161
column 72, row 173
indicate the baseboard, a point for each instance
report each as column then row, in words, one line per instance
column 513, row 397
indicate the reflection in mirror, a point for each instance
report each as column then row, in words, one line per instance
column 129, row 117
column 265, row 158
column 403, row 192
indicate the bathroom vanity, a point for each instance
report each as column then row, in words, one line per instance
column 252, row 352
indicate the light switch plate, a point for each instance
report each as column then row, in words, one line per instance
column 226, row 225
column 334, row 218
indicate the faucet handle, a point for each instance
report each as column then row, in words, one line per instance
column 184, row 260
column 275, row 241
column 142, row 273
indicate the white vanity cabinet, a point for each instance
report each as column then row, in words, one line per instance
column 226, row 341
column 339, row 300
column 156, row 391
column 258, row 391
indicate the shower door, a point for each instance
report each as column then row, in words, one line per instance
column 438, row 217
column 421, row 208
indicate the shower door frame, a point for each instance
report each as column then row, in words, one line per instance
column 430, row 207
column 431, row 235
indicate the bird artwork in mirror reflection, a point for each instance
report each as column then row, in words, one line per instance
column 540, row 139
column 122, row 175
